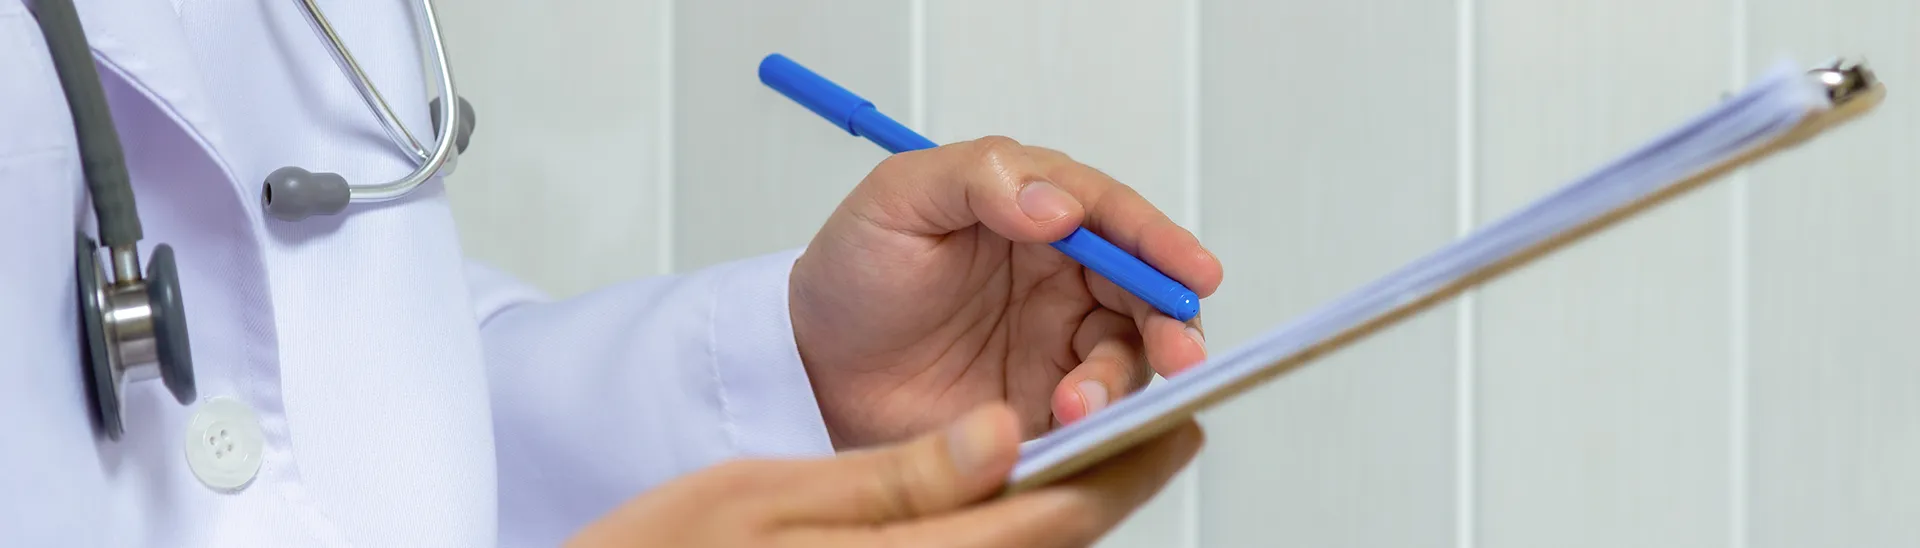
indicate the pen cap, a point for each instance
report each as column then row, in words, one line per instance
column 819, row 95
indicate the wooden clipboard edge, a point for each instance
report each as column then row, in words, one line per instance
column 1844, row 110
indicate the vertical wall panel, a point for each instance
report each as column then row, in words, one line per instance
column 1603, row 411
column 1328, row 159
column 756, row 172
column 559, row 184
column 1835, row 293
column 1101, row 81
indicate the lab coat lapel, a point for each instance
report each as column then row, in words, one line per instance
column 143, row 43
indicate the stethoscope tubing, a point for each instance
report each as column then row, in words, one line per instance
column 430, row 163
column 102, row 161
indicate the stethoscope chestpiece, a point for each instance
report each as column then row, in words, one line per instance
column 93, row 338
column 134, row 330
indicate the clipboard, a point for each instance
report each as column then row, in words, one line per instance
column 1840, row 92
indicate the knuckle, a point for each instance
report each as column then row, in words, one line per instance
column 1000, row 155
column 894, row 494
column 1130, row 371
column 998, row 145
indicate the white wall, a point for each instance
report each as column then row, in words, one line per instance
column 1732, row 369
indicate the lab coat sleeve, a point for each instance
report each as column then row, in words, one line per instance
column 599, row 397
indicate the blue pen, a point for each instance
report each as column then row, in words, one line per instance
column 859, row 117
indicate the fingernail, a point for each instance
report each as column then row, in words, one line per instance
column 970, row 443
column 1093, row 395
column 1198, row 338
column 1043, row 202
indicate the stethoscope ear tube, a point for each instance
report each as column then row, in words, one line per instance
column 100, row 155
column 293, row 193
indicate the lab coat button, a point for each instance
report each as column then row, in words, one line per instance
column 223, row 444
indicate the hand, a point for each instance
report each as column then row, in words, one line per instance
column 931, row 491
column 933, row 289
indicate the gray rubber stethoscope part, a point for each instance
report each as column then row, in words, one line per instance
column 292, row 193
column 466, row 122
column 170, row 324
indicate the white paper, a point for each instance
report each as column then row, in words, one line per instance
column 1763, row 111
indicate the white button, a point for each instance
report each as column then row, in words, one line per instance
column 223, row 444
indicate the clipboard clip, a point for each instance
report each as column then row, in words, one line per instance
column 1851, row 90
column 1846, row 82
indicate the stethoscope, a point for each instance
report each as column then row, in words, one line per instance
column 135, row 328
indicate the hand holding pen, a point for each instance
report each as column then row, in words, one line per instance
column 969, row 273
column 859, row 117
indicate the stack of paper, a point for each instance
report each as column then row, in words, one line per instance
column 1739, row 128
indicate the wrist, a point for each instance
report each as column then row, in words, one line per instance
column 802, row 312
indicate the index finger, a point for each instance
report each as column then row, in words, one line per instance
column 1122, row 216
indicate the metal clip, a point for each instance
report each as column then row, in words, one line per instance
column 1846, row 81
column 1852, row 90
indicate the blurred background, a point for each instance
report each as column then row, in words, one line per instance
column 1732, row 369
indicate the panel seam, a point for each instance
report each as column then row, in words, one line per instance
column 917, row 65
column 1737, row 334
column 1466, row 373
column 1190, row 213
column 664, row 147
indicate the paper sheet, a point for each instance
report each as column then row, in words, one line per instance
column 1762, row 112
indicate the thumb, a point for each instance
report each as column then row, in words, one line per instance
column 991, row 181
column 931, row 474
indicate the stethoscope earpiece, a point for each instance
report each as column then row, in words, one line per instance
column 466, row 122
column 291, row 193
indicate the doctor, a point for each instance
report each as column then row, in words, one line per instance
column 347, row 378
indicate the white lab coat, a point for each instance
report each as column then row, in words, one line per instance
column 407, row 396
